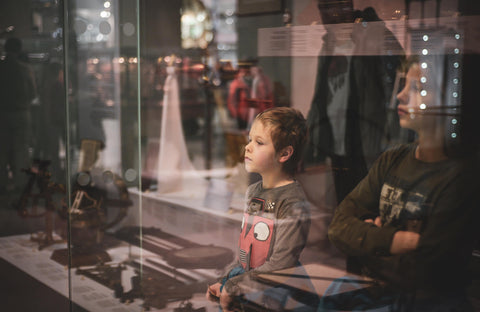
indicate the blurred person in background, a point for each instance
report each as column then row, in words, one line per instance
column 17, row 90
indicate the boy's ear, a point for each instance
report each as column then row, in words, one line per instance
column 285, row 154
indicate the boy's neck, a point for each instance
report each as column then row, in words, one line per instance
column 277, row 181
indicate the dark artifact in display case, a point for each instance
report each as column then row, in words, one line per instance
column 178, row 252
column 170, row 275
column 40, row 188
column 92, row 193
column 107, row 275
column 157, row 288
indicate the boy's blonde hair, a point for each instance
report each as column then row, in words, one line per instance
column 287, row 128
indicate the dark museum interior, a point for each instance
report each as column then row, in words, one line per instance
column 239, row 155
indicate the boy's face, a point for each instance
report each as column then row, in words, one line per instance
column 412, row 104
column 260, row 154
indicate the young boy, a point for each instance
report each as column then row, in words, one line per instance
column 276, row 220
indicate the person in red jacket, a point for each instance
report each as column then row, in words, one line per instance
column 238, row 95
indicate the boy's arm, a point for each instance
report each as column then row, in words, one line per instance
column 348, row 230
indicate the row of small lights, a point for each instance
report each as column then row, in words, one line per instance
column 120, row 60
column 455, row 80
column 134, row 60
column 106, row 13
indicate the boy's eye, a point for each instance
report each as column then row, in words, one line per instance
column 259, row 142
column 414, row 85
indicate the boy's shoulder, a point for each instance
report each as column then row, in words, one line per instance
column 294, row 190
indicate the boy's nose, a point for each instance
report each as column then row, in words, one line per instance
column 247, row 147
column 402, row 96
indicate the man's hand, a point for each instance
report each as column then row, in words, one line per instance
column 226, row 301
column 213, row 292
column 403, row 242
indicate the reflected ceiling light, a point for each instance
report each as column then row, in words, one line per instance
column 105, row 14
column 130, row 175
column 106, row 4
column 128, row 29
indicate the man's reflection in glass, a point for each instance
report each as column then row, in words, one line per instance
column 353, row 87
column 412, row 222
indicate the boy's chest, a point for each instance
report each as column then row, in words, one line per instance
column 260, row 206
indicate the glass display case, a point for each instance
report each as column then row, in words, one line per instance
column 124, row 124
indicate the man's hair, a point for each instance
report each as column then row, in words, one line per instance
column 287, row 128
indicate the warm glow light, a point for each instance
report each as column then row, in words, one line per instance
column 201, row 17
